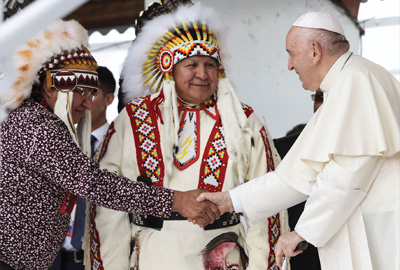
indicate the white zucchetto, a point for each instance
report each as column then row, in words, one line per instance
column 319, row 20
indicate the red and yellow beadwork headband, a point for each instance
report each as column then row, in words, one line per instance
column 176, row 45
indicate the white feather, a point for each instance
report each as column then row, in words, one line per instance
column 235, row 124
column 170, row 134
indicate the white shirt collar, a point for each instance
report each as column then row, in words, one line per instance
column 99, row 133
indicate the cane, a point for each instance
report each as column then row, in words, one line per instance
column 300, row 246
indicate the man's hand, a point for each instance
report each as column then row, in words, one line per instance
column 221, row 199
column 200, row 213
column 286, row 247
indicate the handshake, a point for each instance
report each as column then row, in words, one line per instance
column 201, row 207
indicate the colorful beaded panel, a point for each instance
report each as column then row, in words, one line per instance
column 95, row 257
column 268, row 150
column 166, row 61
column 215, row 161
column 247, row 110
column 210, row 107
column 147, row 138
column 107, row 137
column 274, row 225
column 176, row 45
column 196, row 48
column 273, row 221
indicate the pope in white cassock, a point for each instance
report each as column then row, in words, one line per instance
column 346, row 162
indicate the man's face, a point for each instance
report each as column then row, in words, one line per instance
column 196, row 78
column 300, row 59
column 82, row 98
column 99, row 105
column 81, row 103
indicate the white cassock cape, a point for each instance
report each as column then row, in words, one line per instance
column 347, row 160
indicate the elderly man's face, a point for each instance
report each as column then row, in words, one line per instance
column 196, row 78
column 80, row 103
column 300, row 59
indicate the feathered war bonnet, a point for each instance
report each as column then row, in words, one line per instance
column 59, row 52
column 173, row 33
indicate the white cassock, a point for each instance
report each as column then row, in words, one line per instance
column 347, row 161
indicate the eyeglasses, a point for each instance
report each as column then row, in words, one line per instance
column 85, row 93
column 318, row 97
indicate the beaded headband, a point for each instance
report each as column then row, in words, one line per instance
column 166, row 34
column 69, row 69
column 65, row 80
column 176, row 45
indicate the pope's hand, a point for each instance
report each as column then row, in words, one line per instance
column 200, row 213
column 221, row 199
column 286, row 247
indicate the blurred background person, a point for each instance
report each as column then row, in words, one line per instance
column 104, row 98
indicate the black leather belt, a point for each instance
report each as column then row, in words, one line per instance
column 226, row 220
column 72, row 256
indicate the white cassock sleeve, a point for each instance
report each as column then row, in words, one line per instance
column 339, row 190
column 263, row 197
